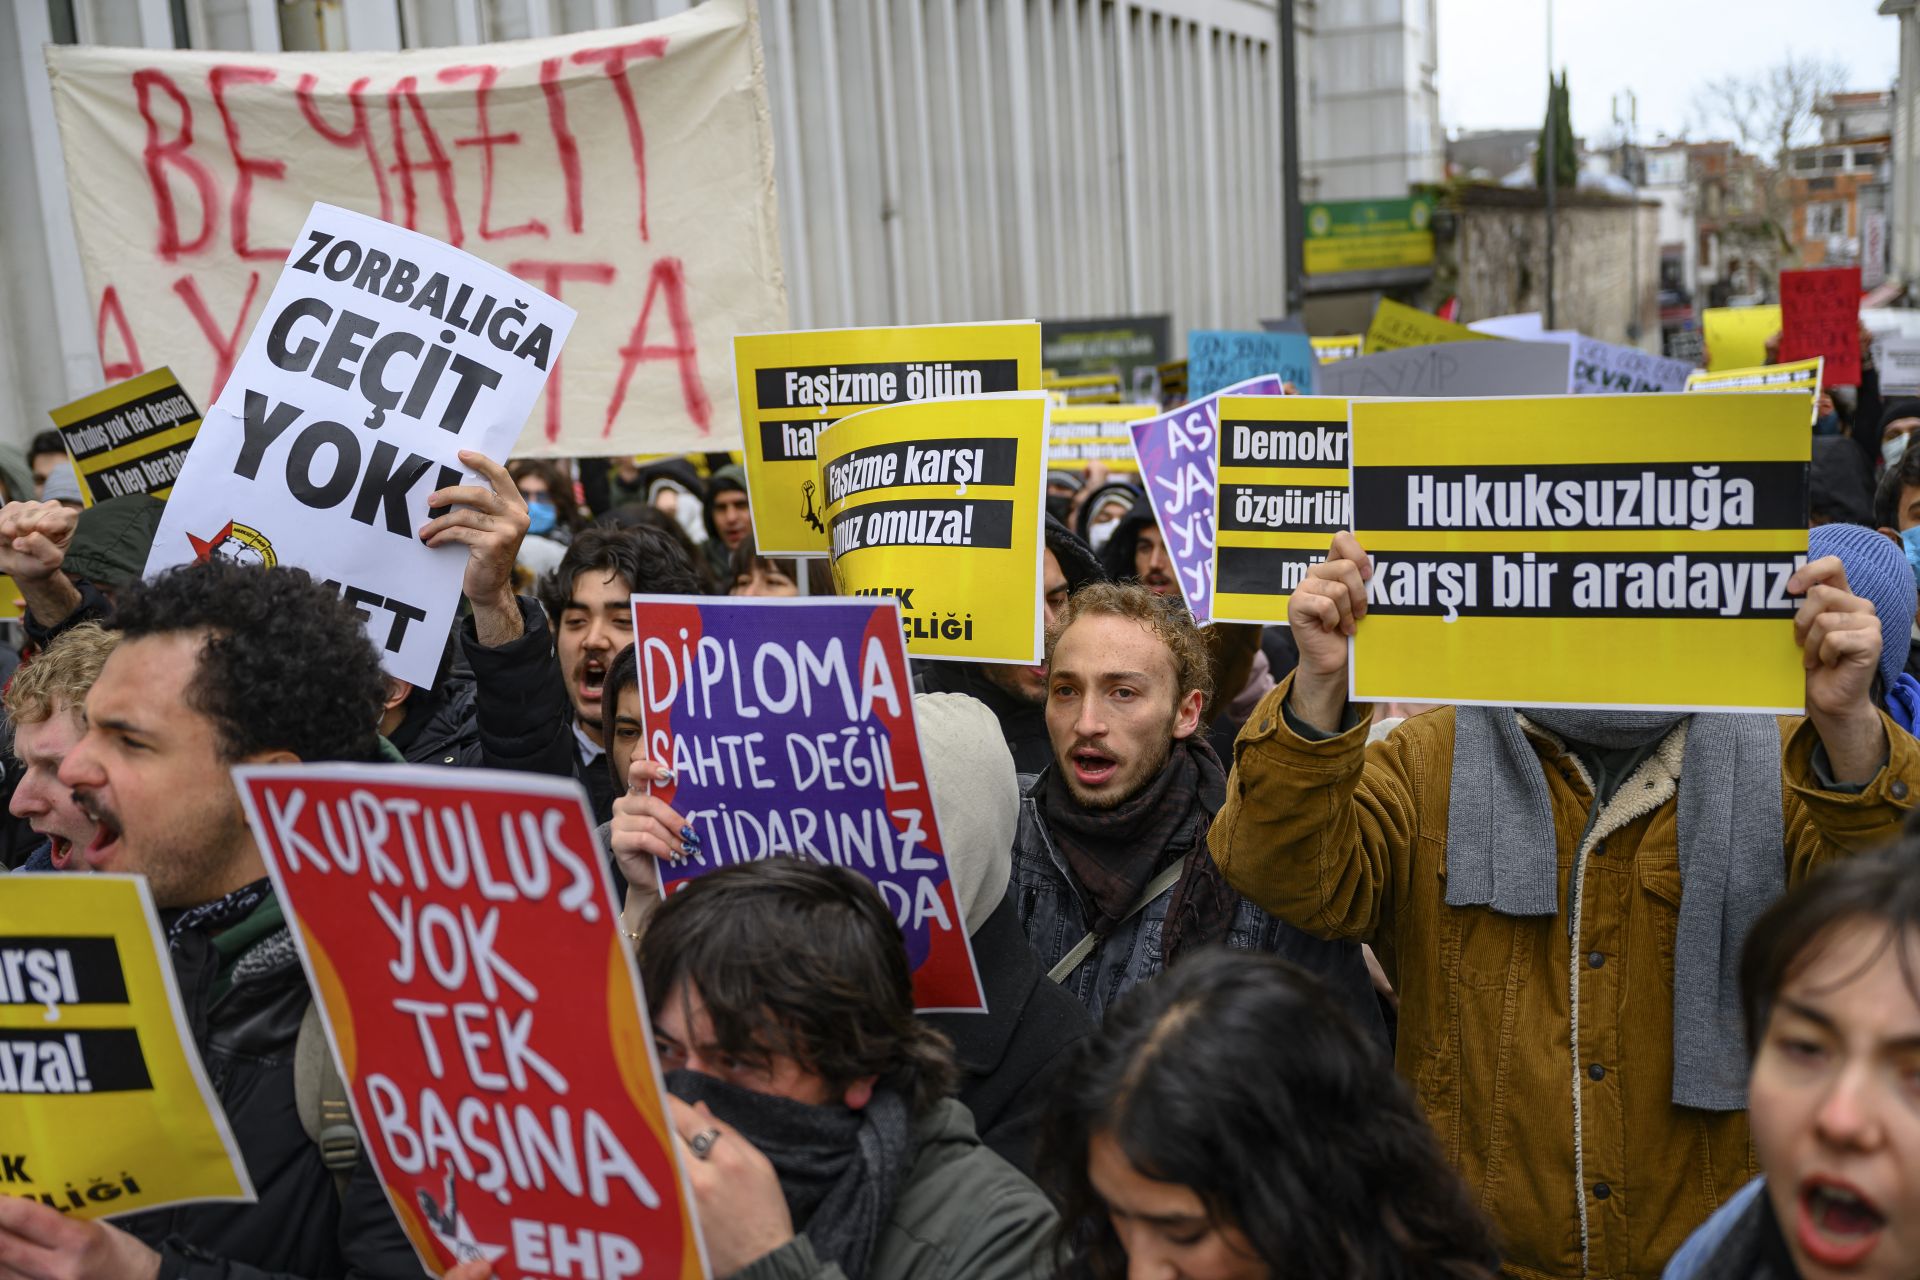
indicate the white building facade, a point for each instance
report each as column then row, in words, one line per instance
column 1903, row 238
column 1370, row 112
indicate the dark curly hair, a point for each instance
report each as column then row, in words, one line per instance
column 1238, row 1077
column 650, row 561
column 287, row 665
column 801, row 960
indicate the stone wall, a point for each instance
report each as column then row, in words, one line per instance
column 1496, row 261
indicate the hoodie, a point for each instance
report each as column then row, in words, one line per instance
column 731, row 478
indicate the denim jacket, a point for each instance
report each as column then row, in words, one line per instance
column 1053, row 911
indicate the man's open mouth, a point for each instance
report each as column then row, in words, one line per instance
column 61, row 852
column 1838, row 1224
column 593, row 678
column 1092, row 767
column 105, row 844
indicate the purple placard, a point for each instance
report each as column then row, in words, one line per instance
column 1177, row 465
column 789, row 728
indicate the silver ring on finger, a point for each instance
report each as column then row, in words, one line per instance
column 701, row 1144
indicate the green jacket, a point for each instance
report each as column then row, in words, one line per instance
column 963, row 1214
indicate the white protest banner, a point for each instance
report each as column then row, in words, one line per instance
column 1601, row 367
column 380, row 355
column 1897, row 357
column 1454, row 369
column 1525, row 326
column 626, row 171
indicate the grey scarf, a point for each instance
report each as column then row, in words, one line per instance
column 1502, row 853
column 840, row 1169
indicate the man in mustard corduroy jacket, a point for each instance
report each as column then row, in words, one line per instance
column 1560, row 898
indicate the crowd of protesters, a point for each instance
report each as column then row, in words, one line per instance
column 1271, row 990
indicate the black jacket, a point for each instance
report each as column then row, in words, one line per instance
column 595, row 775
column 1008, row 1055
column 510, row 712
column 302, row 1226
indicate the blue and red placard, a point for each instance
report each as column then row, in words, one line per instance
column 788, row 725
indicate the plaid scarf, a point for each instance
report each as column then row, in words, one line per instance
column 1114, row 853
column 221, row 913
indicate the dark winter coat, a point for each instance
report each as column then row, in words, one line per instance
column 1054, row 914
column 302, row 1226
column 1008, row 1054
column 961, row 1214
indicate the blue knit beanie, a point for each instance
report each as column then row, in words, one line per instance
column 1877, row 570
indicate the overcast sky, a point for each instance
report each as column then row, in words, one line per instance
column 1493, row 54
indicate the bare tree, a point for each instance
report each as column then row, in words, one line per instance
column 1767, row 114
column 1771, row 111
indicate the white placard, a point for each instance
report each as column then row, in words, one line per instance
column 380, row 355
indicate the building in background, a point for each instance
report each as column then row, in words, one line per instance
column 1665, row 179
column 1370, row 139
column 1370, row 114
column 1835, row 186
column 1903, row 204
column 1492, row 155
column 1737, row 257
column 937, row 160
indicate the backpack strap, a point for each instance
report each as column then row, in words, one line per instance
column 1084, row 948
column 320, row 1096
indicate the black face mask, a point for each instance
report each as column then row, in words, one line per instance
column 1058, row 505
column 839, row 1169
column 810, row 1147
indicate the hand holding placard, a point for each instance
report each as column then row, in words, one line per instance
column 491, row 521
column 1324, row 611
column 645, row 830
column 1839, row 634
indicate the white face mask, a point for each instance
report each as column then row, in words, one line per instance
column 1100, row 530
column 1893, row 446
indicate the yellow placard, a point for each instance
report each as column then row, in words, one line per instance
column 1801, row 375
column 1082, row 434
column 1584, row 551
column 940, row 504
column 1280, row 496
column 1084, row 388
column 794, row 385
column 104, row 1106
column 1736, row 337
column 1396, row 325
column 1338, row 347
column 131, row 437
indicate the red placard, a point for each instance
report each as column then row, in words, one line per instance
column 458, row 929
column 1820, row 316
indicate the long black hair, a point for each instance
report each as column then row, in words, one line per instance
column 1236, row 1076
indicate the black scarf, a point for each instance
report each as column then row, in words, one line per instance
column 840, row 1169
column 1114, row 853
